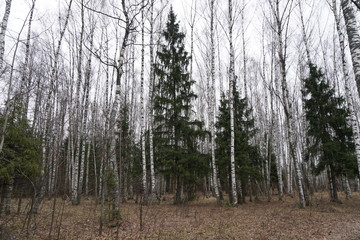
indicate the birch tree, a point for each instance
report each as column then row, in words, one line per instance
column 280, row 27
column 234, row 198
column 346, row 77
column 78, row 162
column 48, row 111
column 353, row 38
column 150, row 110
column 26, row 74
column 142, row 109
column 213, row 103
column 4, row 24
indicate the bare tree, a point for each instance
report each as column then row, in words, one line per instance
column 142, row 110
column 4, row 24
column 212, row 105
column 234, row 197
column 353, row 38
column 346, row 76
column 280, row 28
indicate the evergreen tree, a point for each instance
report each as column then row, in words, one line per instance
column 330, row 139
column 176, row 134
column 20, row 160
column 247, row 157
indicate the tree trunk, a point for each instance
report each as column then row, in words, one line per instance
column 289, row 119
column 26, row 75
column 48, row 111
column 78, row 161
column 4, row 24
column 353, row 38
column 348, row 93
column 151, row 93
column 213, row 104
column 231, row 106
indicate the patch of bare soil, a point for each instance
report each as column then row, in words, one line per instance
column 201, row 219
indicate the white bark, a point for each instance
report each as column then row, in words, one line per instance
column 114, row 118
column 2, row 49
column 289, row 119
column 231, row 107
column 151, row 90
column 26, row 78
column 303, row 29
column 78, row 162
column 48, row 110
column 353, row 38
column 213, row 103
column 3, row 28
column 142, row 112
column 348, row 93
column 85, row 100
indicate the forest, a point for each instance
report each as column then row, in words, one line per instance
column 169, row 119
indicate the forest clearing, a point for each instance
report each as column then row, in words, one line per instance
column 200, row 219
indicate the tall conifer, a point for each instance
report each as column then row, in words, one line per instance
column 330, row 138
column 176, row 134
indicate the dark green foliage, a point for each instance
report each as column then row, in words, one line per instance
column 330, row 139
column 21, row 155
column 247, row 157
column 274, row 178
column 176, row 135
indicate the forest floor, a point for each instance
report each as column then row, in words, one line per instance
column 200, row 219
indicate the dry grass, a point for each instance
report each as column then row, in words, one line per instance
column 202, row 219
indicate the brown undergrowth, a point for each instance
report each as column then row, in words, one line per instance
column 201, row 219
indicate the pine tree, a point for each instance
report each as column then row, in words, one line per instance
column 330, row 139
column 247, row 157
column 176, row 135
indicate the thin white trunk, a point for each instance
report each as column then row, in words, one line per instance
column 267, row 168
column 303, row 28
column 48, row 110
column 289, row 119
column 231, row 107
column 114, row 118
column 85, row 101
column 143, row 154
column 4, row 24
column 213, row 103
column 26, row 75
column 151, row 90
column 346, row 187
column 348, row 93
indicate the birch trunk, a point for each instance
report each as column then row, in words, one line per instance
column 348, row 93
column 85, row 101
column 114, row 118
column 4, row 24
column 48, row 110
column 26, row 75
column 353, row 38
column 234, row 197
column 78, row 162
column 143, row 154
column 151, row 91
column 2, row 50
column 213, row 104
column 289, row 119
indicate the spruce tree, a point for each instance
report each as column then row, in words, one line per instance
column 176, row 134
column 20, row 160
column 330, row 144
column 247, row 156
